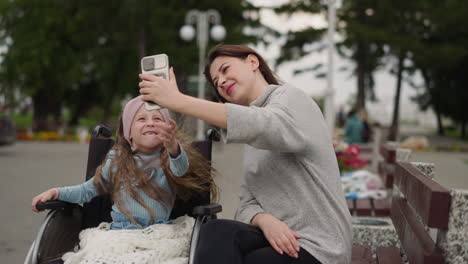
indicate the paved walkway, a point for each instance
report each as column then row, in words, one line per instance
column 29, row 168
column 451, row 167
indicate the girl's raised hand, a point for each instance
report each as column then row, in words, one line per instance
column 48, row 195
column 167, row 134
column 278, row 234
column 156, row 89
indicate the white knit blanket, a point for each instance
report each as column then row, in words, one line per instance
column 160, row 243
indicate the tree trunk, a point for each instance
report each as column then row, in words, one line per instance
column 40, row 109
column 392, row 136
column 44, row 105
column 142, row 33
column 361, row 75
column 57, row 113
column 80, row 109
column 86, row 91
column 463, row 129
column 427, row 81
column 440, row 126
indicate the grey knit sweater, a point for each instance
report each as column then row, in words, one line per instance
column 290, row 170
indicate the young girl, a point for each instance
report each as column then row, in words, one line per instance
column 144, row 171
column 292, row 207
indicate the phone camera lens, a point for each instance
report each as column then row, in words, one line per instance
column 148, row 64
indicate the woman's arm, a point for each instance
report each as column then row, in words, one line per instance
column 278, row 234
column 249, row 206
column 166, row 93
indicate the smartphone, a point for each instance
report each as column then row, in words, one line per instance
column 157, row 65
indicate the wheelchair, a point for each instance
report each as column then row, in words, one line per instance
column 59, row 232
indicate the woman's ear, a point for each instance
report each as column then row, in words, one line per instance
column 253, row 61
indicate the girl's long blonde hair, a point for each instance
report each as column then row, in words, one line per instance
column 124, row 172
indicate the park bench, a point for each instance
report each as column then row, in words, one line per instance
column 378, row 207
column 427, row 223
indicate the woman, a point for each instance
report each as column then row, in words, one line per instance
column 292, row 207
column 353, row 128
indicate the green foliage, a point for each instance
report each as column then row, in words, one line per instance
column 442, row 57
column 296, row 41
column 320, row 101
column 83, row 54
column 359, row 44
column 22, row 121
column 426, row 36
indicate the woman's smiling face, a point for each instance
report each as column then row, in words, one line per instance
column 233, row 78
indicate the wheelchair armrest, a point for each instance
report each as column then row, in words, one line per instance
column 53, row 204
column 213, row 135
column 102, row 131
column 202, row 213
column 209, row 209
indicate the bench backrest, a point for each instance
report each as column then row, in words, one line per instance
column 386, row 167
column 425, row 204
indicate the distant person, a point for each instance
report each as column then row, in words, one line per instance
column 341, row 117
column 353, row 128
column 366, row 131
column 292, row 206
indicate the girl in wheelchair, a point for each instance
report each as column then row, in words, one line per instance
column 144, row 171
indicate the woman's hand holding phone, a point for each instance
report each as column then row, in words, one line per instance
column 156, row 89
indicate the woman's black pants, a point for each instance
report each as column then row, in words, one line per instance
column 233, row 242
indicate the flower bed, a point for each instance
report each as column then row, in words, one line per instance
column 48, row 136
column 348, row 157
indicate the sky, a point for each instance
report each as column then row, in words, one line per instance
column 344, row 82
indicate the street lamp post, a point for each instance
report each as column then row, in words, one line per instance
column 330, row 93
column 202, row 19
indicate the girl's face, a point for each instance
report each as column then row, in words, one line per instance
column 234, row 78
column 143, row 133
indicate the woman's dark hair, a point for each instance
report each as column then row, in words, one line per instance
column 241, row 52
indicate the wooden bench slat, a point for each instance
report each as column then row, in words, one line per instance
column 417, row 243
column 388, row 152
column 386, row 171
column 361, row 254
column 388, row 255
column 363, row 207
column 350, row 203
column 381, row 207
column 430, row 200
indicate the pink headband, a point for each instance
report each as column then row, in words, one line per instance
column 129, row 112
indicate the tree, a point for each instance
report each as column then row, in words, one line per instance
column 422, row 35
column 41, row 55
column 399, row 37
column 362, row 35
column 354, row 23
column 442, row 57
column 84, row 53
